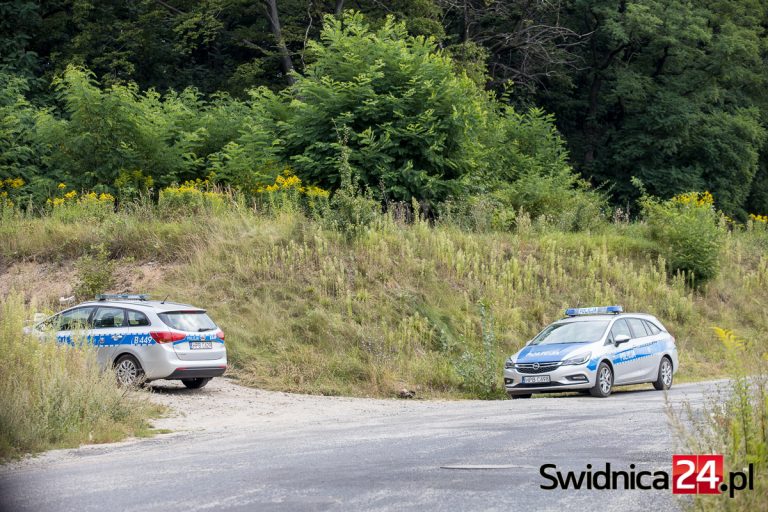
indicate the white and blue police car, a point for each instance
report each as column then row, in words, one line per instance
column 144, row 340
column 592, row 350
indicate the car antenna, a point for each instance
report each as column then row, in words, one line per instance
column 165, row 299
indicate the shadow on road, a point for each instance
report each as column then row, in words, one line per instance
column 168, row 388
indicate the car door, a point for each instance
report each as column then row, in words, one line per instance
column 109, row 330
column 654, row 350
column 71, row 326
column 643, row 346
column 623, row 356
column 138, row 328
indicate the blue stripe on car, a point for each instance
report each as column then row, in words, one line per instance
column 107, row 340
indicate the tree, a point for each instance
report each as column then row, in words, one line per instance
column 526, row 41
column 670, row 93
column 413, row 122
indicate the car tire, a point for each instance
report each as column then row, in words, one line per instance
column 129, row 372
column 515, row 396
column 664, row 379
column 195, row 383
column 603, row 382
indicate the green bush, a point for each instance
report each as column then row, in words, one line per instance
column 479, row 369
column 477, row 213
column 189, row 198
column 689, row 233
column 95, row 273
column 351, row 210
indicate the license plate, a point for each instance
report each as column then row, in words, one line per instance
column 197, row 345
column 538, row 379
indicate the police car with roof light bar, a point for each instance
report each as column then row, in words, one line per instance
column 592, row 350
column 144, row 340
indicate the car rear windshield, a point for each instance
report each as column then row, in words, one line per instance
column 572, row 332
column 190, row 321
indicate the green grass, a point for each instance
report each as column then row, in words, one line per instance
column 54, row 396
column 306, row 309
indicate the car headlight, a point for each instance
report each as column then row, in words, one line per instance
column 579, row 359
column 509, row 363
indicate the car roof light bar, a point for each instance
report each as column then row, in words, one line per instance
column 122, row 296
column 597, row 310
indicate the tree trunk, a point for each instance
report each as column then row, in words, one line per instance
column 339, row 7
column 286, row 64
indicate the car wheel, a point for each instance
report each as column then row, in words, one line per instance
column 664, row 380
column 129, row 372
column 604, row 382
column 515, row 396
column 195, row 383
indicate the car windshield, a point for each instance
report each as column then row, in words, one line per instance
column 572, row 332
column 190, row 321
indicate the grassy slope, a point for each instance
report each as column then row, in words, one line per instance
column 306, row 310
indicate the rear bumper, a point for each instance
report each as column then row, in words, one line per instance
column 205, row 372
column 160, row 361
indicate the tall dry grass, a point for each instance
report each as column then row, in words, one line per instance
column 734, row 422
column 54, row 395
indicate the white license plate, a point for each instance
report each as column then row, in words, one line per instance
column 197, row 345
column 538, row 379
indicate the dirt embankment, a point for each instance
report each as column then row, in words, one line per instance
column 48, row 282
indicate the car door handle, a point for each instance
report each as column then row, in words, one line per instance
column 117, row 337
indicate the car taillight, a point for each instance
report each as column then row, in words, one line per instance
column 167, row 336
column 220, row 334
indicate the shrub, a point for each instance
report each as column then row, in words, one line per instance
column 95, row 273
column 562, row 201
column 70, row 207
column 689, row 233
column 478, row 369
column 477, row 213
column 351, row 210
column 191, row 197
column 54, row 395
column 288, row 193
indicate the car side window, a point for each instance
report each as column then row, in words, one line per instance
column 106, row 318
column 638, row 327
column 136, row 318
column 651, row 328
column 619, row 327
column 73, row 319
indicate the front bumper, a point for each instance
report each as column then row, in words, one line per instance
column 562, row 378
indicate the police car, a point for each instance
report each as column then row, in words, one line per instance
column 144, row 340
column 592, row 350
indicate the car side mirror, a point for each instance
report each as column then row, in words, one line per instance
column 621, row 338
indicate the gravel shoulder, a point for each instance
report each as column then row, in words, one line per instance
column 224, row 405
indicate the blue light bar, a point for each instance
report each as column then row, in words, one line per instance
column 122, row 296
column 598, row 310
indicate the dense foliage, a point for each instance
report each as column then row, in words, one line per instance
column 672, row 92
column 407, row 123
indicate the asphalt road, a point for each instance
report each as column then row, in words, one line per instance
column 318, row 453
